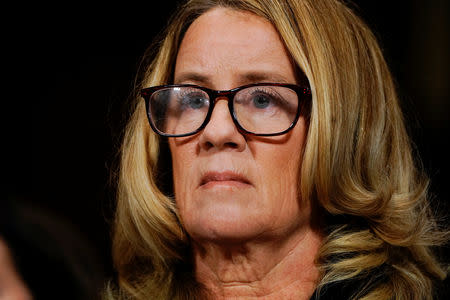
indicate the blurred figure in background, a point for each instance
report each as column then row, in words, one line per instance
column 12, row 286
column 43, row 256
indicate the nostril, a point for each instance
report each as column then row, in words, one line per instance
column 231, row 145
column 208, row 145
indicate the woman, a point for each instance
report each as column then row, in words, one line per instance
column 269, row 160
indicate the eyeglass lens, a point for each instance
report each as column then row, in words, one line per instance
column 257, row 109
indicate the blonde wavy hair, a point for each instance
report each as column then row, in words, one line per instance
column 357, row 166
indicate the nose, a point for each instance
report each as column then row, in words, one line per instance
column 221, row 132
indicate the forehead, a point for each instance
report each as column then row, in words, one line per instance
column 228, row 42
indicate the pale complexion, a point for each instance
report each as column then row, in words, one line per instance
column 252, row 233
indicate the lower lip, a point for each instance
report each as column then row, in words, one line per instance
column 225, row 183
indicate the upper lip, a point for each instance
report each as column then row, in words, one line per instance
column 223, row 176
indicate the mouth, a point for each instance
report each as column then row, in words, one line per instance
column 226, row 178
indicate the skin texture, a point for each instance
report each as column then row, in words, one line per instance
column 252, row 233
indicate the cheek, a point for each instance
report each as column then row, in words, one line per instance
column 279, row 175
column 182, row 165
column 279, row 169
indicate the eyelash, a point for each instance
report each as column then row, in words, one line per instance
column 272, row 94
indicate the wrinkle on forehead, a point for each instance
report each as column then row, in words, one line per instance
column 235, row 46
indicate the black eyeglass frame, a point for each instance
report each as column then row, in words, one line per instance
column 303, row 92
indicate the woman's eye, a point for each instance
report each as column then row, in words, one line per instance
column 194, row 101
column 261, row 101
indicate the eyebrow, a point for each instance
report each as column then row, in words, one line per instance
column 253, row 77
column 246, row 78
column 194, row 77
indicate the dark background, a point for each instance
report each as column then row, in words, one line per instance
column 72, row 70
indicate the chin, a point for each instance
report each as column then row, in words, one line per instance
column 224, row 224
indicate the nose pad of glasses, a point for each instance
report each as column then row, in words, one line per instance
column 221, row 110
column 221, row 131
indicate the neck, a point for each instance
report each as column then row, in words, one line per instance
column 270, row 269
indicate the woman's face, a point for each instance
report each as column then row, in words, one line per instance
column 230, row 186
